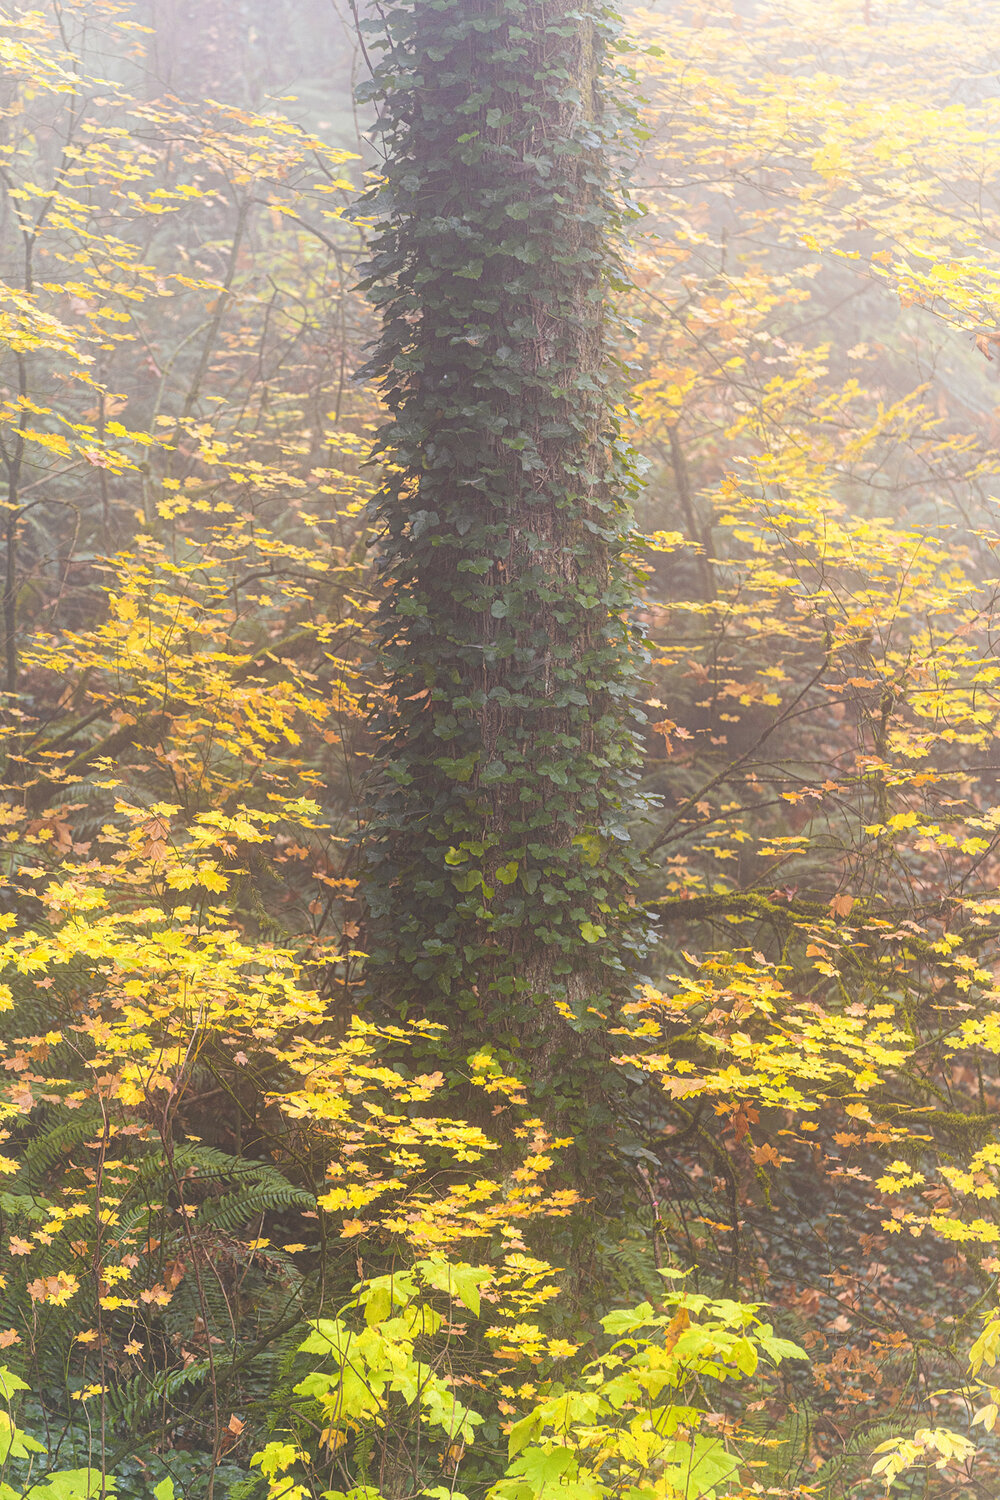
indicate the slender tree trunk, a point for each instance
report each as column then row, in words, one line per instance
column 501, row 870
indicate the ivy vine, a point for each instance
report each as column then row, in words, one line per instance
column 501, row 868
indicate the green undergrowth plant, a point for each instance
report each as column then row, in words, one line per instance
column 420, row 1386
column 24, row 1469
column 941, row 1449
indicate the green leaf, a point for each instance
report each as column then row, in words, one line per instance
column 697, row 1467
column 468, row 1280
column 76, row 1484
column 9, row 1383
column 357, row 1397
column 329, row 1336
column 780, row 1349
column 458, row 1280
column 591, row 847
column 542, row 1466
column 13, row 1442
column 378, row 1305
column 523, row 1432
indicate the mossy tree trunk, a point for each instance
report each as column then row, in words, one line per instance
column 501, row 871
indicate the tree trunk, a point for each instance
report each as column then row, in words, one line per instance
column 500, row 894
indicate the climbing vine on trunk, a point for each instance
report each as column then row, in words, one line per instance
column 502, row 873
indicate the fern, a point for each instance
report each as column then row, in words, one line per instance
column 53, row 1142
column 137, row 1402
column 246, row 1488
column 231, row 1212
column 829, row 1479
column 23, row 1208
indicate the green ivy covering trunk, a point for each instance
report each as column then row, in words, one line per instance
column 501, row 870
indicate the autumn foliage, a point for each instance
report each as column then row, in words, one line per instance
column 264, row 1235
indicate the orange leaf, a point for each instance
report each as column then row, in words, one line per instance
column 678, row 1323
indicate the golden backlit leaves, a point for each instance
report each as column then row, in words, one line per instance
column 227, row 659
column 177, row 893
column 816, row 284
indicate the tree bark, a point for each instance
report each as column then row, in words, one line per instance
column 500, row 894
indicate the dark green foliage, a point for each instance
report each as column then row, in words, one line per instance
column 501, row 867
